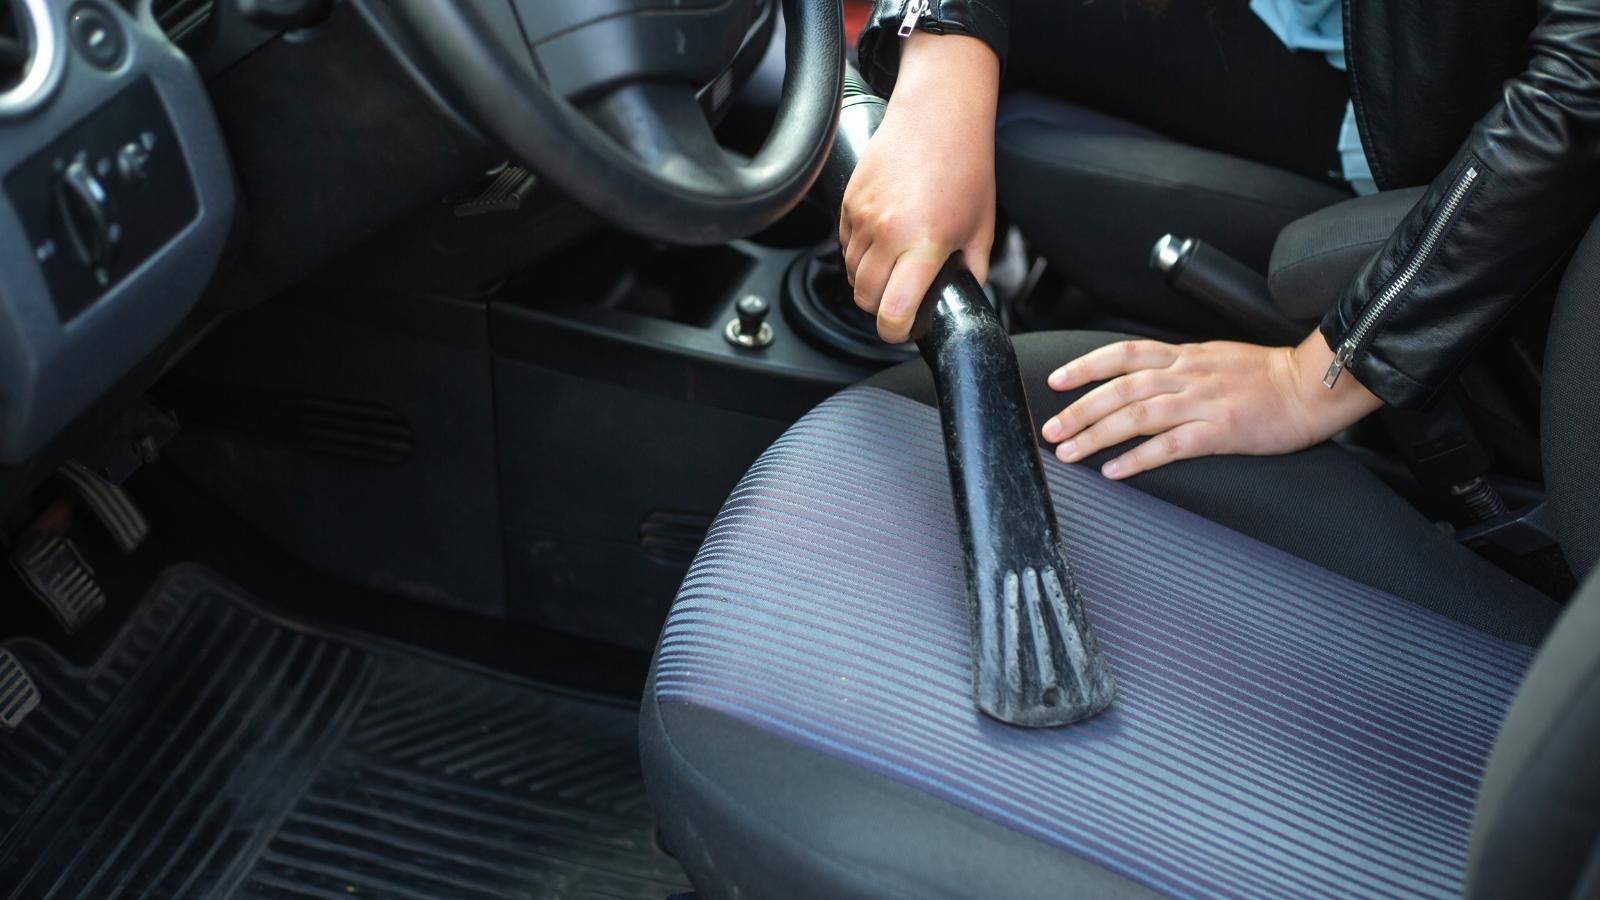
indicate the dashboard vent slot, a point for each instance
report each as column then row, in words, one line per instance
column 180, row 18
column 16, row 44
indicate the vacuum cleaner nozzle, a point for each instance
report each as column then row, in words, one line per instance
column 1036, row 660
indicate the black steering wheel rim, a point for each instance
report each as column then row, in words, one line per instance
column 671, row 182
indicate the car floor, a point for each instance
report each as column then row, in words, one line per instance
column 219, row 742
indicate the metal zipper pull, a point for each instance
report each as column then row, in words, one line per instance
column 1347, row 352
column 915, row 10
column 1418, row 258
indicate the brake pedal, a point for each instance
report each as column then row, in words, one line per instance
column 18, row 696
column 110, row 504
column 55, row 572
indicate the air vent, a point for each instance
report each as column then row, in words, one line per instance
column 180, row 18
column 30, row 54
column 16, row 45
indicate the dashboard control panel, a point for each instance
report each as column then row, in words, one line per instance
column 102, row 197
column 116, row 201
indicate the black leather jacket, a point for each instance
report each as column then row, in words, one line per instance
column 1498, row 108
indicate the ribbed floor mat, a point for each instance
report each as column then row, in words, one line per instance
column 218, row 752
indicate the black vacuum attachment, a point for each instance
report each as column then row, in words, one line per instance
column 1035, row 657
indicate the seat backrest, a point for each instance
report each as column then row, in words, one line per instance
column 1538, row 817
column 1570, row 417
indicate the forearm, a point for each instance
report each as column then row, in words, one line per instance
column 1497, row 221
column 881, row 48
column 951, row 77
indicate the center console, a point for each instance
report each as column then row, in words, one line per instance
column 634, row 385
column 766, row 326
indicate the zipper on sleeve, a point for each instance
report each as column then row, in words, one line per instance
column 1402, row 279
column 915, row 10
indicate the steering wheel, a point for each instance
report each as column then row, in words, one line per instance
column 604, row 99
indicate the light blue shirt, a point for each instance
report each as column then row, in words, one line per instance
column 1306, row 25
column 1318, row 26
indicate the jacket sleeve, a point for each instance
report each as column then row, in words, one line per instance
column 1490, row 228
column 879, row 47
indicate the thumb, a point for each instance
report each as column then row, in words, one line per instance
column 913, row 272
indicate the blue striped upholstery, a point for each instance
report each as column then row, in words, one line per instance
column 1279, row 731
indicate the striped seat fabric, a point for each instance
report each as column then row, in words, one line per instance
column 1280, row 730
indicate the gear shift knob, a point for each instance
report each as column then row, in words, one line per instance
column 752, row 310
column 750, row 328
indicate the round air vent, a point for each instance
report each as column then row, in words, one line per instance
column 29, row 53
column 16, row 44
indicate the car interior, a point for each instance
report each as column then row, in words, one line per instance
column 440, row 457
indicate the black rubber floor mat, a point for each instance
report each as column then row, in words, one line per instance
column 218, row 752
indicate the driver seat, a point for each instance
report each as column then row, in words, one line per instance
column 1320, row 694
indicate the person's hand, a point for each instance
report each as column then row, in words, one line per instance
column 924, row 188
column 1201, row 399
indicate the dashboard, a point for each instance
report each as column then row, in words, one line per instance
column 116, row 201
column 164, row 163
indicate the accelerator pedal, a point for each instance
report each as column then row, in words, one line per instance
column 18, row 696
column 110, row 504
column 55, row 572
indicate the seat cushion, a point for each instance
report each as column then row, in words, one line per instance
column 1320, row 505
column 1280, row 730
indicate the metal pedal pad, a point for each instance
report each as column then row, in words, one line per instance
column 110, row 504
column 56, row 573
column 18, row 696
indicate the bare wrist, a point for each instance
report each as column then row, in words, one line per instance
column 1331, row 410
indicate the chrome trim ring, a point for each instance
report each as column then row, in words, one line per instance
column 739, row 338
column 45, row 64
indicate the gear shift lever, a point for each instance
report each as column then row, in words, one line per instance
column 748, row 327
column 1036, row 660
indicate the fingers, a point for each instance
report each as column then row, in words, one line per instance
column 976, row 256
column 860, row 242
column 1141, row 417
column 1108, row 398
column 1112, row 360
column 908, row 284
column 872, row 276
column 1186, row 441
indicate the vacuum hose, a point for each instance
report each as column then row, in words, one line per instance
column 1036, row 660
